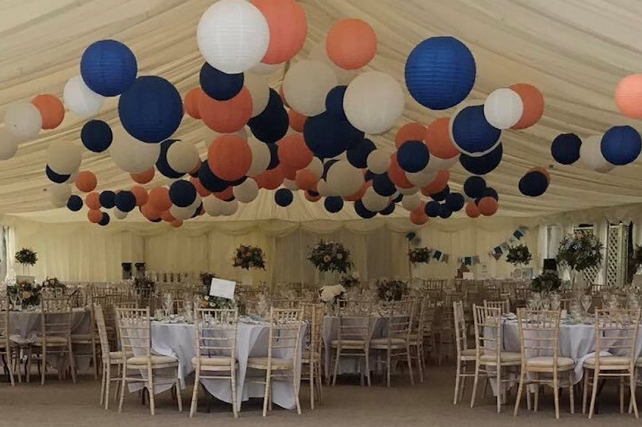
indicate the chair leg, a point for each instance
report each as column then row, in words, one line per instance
column 388, row 366
column 520, row 390
column 596, row 379
column 472, row 399
column 296, row 385
column 178, row 392
column 585, row 390
column 193, row 405
column 571, row 391
column 500, row 392
column 102, row 388
column 632, row 385
column 311, row 373
column 368, row 367
column 336, row 366
column 107, row 381
column 235, row 406
column 266, row 397
column 44, row 364
column 556, row 394
column 150, row 388
column 72, row 363
column 457, row 379
column 462, row 386
column 123, row 384
column 621, row 395
column 412, row 379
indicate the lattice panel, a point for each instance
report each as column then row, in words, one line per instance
column 590, row 274
column 612, row 255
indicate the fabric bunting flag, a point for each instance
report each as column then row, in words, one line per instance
column 437, row 255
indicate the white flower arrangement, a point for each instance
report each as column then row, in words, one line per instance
column 329, row 294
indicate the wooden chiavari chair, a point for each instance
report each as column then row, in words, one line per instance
column 313, row 314
column 504, row 305
column 464, row 354
column 355, row 329
column 7, row 349
column 108, row 359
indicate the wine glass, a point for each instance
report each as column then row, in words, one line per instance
column 555, row 301
column 168, row 304
column 586, row 301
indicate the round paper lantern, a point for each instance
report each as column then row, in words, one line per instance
column 211, row 205
column 95, row 216
column 259, row 92
column 334, row 102
column 283, row 197
column 288, row 29
column 294, row 153
column 167, row 216
column 159, row 199
column 306, row 85
column 229, row 208
column 383, row 186
column 489, row 192
column 373, row 201
column 8, row 145
column 413, row 156
column 93, row 201
column 61, row 193
column 182, row 213
column 472, row 210
column 474, row 186
column 270, row 179
column 104, row 220
column 542, row 170
column 297, row 120
column 411, row 202
column 319, row 53
column 438, row 139
column 533, row 184
column 344, row 179
column 86, row 181
column 108, row 67
column 51, row 110
column 397, row 175
column 219, row 85
column 261, row 157
column 591, row 154
column 621, row 145
column 351, row 44
column 132, row 155
column 290, row 184
column 312, row 196
column 389, row 210
column 119, row 214
column 151, row 110
column 125, row 201
column 373, row 102
column 419, row 217
column 628, row 96
column 455, row 202
column 483, row 164
column 233, row 36
column 565, row 148
column 533, row 101
column 177, row 223
column 410, row 132
column 200, row 189
column 487, row 206
column 420, row 178
column 150, row 212
column 438, row 184
column 326, row 136
column 432, row 209
column 96, row 136
column 144, row 177
column 162, row 164
column 440, row 72
column 229, row 157
column 378, row 161
column 306, row 180
column 358, row 156
column 191, row 102
column 227, row 194
column 471, row 133
column 247, row 191
column 445, row 212
column 64, row 157
column 272, row 124
column 140, row 194
column 210, row 181
column 333, row 204
column 362, row 211
column 55, row 177
column 441, row 195
column 182, row 193
column 503, row 108
column 23, row 120
column 81, row 100
column 182, row 156
column 107, row 199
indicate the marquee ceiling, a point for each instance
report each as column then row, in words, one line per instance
column 574, row 51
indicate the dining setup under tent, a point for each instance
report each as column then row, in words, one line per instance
column 317, row 210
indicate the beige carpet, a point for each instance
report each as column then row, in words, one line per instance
column 65, row 404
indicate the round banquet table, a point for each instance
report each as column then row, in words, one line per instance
column 178, row 340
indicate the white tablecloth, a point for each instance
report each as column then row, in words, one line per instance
column 179, row 341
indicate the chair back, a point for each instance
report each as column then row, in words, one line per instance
column 314, row 315
column 427, row 315
column 5, row 326
column 616, row 332
column 460, row 327
column 488, row 331
column 56, row 318
column 539, row 332
column 216, row 332
column 285, row 334
column 285, row 303
column 400, row 318
column 102, row 333
column 355, row 320
column 134, row 327
column 504, row 305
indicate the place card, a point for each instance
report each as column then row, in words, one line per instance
column 222, row 288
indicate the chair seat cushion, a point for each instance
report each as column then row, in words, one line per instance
column 53, row 340
column 385, row 342
column 349, row 344
column 547, row 362
column 214, row 361
column 505, row 357
column 156, row 360
column 469, row 353
column 607, row 361
column 117, row 356
column 84, row 338
column 262, row 363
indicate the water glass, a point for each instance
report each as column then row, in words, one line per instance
column 586, row 301
column 555, row 301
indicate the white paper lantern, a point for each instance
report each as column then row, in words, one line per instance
column 261, row 157
column 411, row 202
column 344, row 179
column 436, row 164
column 247, row 191
column 260, row 92
column 72, row 177
column 64, row 157
column 23, row 120
column 290, row 185
column 233, row 36
column 324, row 189
column 58, row 203
column 119, row 214
column 8, row 145
column 132, row 155
column 503, row 108
column 316, row 167
column 373, row 201
column 229, row 208
column 378, row 161
column 182, row 156
column 408, row 191
column 242, row 133
column 182, row 213
column 306, row 85
column 591, row 154
column 264, row 69
column 373, row 102
column 421, row 178
column 60, row 192
column 211, row 205
column 319, row 53
column 81, row 100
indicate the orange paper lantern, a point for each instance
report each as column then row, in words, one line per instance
column 472, row 210
column 310, row 198
column 397, row 175
column 202, row 191
column 270, row 179
column 288, row 29
column 191, row 102
column 144, row 177
column 226, row 116
column 419, row 216
column 167, row 216
column 226, row 194
column 150, row 212
column 628, row 96
column 438, row 140
column 438, row 184
column 306, row 180
column 159, row 199
column 410, row 132
column 533, row 101
column 488, row 206
column 86, row 181
column 51, row 109
column 95, row 215
column 93, row 201
column 351, row 44
column 294, row 153
column 177, row 223
column 297, row 120
column 141, row 195
column 229, row 157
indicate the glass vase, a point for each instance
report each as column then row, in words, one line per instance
column 247, row 277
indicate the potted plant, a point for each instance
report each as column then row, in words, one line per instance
column 330, row 257
column 519, row 255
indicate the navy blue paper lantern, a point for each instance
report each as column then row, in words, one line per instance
column 455, row 202
column 383, row 186
column 334, row 102
column 273, row 123
column 488, row 192
column 474, row 186
column 621, row 145
column 162, row 165
column 389, row 210
column 107, row 199
column 413, row 156
column 326, row 136
column 472, row 134
column 565, row 148
column 54, row 177
column 432, row 209
column 358, row 156
column 210, row 181
column 356, row 136
column 96, row 136
column 283, row 197
column 74, row 203
column 444, row 211
column 483, row 164
column 104, row 220
column 274, row 156
column 198, row 211
column 441, row 196
column 333, row 204
column 361, row 210
column 369, row 175
column 398, row 199
column 533, row 184
column 440, row 72
column 151, row 110
column 182, row 193
column 219, row 85
column 125, row 201
column 108, row 67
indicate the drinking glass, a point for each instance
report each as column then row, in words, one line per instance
column 555, row 301
column 586, row 300
column 168, row 304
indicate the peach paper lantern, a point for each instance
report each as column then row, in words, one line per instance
column 288, row 29
column 533, row 101
column 628, row 96
column 51, row 109
column 351, row 44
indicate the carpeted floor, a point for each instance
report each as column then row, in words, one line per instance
column 64, row 404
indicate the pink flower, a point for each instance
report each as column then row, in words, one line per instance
column 326, row 258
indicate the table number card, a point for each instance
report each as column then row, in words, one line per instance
column 222, row 288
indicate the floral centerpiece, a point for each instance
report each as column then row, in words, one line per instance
column 635, row 261
column 330, row 295
column 330, row 256
column 25, row 291
column 391, row 290
column 209, row 301
column 579, row 251
column 519, row 254
column 206, row 279
column 26, row 257
column 53, row 284
column 249, row 257
column 419, row 255
column 349, row 281
column 546, row 283
column 144, row 286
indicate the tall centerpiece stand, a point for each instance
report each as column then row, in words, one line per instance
column 248, row 258
column 579, row 252
column 330, row 259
